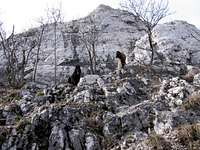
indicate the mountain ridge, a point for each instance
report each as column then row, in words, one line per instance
column 120, row 31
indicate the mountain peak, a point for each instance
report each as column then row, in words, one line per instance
column 103, row 6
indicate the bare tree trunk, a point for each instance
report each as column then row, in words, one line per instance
column 150, row 13
column 55, row 53
column 91, row 62
column 94, row 58
column 37, row 55
column 151, row 47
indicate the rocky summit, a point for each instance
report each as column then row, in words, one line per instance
column 144, row 107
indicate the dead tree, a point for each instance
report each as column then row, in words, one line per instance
column 150, row 13
column 195, row 34
column 74, row 38
column 16, row 50
column 89, row 35
column 39, row 42
column 55, row 17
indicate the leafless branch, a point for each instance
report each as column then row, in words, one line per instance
column 90, row 38
column 150, row 13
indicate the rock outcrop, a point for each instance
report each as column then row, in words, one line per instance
column 175, row 44
column 143, row 108
column 103, row 112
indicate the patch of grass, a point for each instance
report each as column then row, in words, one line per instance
column 109, row 143
column 3, row 135
column 95, row 125
column 189, row 136
column 10, row 94
column 193, row 103
column 40, row 93
column 22, row 124
column 18, row 118
column 157, row 142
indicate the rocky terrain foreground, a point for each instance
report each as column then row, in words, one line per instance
column 139, row 110
column 144, row 108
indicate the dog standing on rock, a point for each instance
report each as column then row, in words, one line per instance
column 121, row 61
column 75, row 77
column 190, row 74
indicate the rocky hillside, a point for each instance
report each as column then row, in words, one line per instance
column 143, row 108
column 119, row 30
column 138, row 110
column 176, row 42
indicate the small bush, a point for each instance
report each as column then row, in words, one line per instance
column 189, row 136
column 9, row 94
column 40, row 93
column 157, row 142
column 3, row 135
column 193, row 102
column 22, row 124
column 109, row 143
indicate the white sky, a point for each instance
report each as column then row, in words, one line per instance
column 24, row 13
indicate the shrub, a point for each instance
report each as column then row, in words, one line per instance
column 40, row 93
column 193, row 102
column 157, row 142
column 189, row 136
column 22, row 124
column 10, row 94
column 3, row 135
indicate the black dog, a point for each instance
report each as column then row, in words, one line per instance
column 75, row 77
column 122, row 57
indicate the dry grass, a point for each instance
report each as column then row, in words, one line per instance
column 189, row 136
column 157, row 142
column 3, row 134
column 9, row 95
column 21, row 124
column 193, row 102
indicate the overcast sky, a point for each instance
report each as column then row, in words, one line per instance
column 24, row 13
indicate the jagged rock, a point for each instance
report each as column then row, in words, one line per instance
column 58, row 139
column 19, row 137
column 192, row 71
column 10, row 143
column 2, row 118
column 26, row 95
column 34, row 86
column 127, row 88
column 112, row 125
column 175, row 91
column 131, row 141
column 84, row 96
column 88, row 80
column 26, row 106
column 77, row 138
column 10, row 114
column 41, row 129
column 41, row 100
column 196, row 80
column 92, row 142
column 163, row 122
column 173, row 43
column 137, row 117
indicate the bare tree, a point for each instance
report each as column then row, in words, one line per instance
column 195, row 34
column 150, row 12
column 55, row 17
column 74, row 38
column 90, row 38
column 41, row 29
column 71, row 37
column 16, row 50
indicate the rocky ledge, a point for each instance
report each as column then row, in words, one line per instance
column 140, row 110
